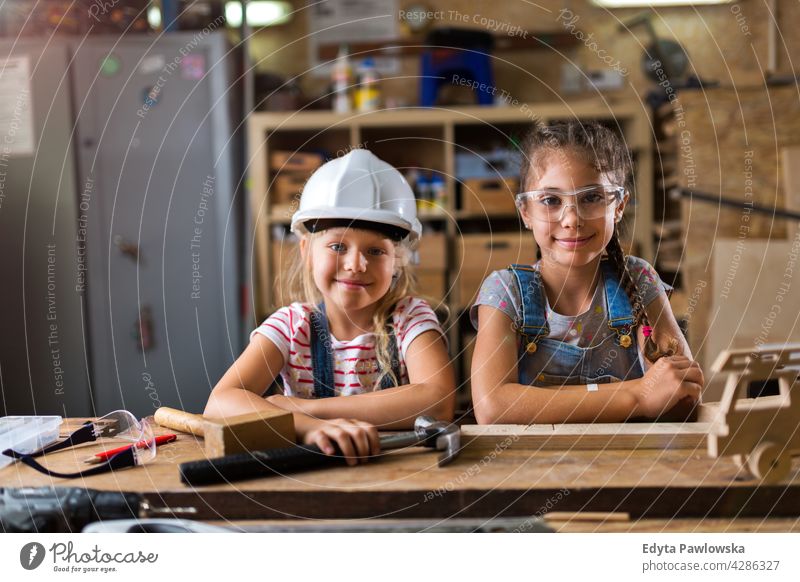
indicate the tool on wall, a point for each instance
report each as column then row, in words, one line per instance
column 664, row 62
column 439, row 435
column 775, row 212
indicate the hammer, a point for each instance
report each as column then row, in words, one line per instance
column 428, row 432
column 234, row 434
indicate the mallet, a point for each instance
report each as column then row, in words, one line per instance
column 235, row 434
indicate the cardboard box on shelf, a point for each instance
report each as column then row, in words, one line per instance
column 432, row 251
column 431, row 283
column 480, row 254
column 285, row 191
column 492, row 195
column 289, row 161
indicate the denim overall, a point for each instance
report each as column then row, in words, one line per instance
column 550, row 362
column 322, row 360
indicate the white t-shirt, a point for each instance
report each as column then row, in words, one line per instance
column 354, row 362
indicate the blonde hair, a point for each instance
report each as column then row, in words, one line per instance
column 301, row 287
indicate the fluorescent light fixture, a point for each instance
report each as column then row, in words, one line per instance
column 154, row 17
column 654, row 3
column 266, row 13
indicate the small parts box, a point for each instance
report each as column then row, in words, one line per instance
column 490, row 195
column 431, row 283
column 480, row 254
column 432, row 251
column 284, row 194
column 288, row 161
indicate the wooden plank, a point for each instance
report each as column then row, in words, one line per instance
column 731, row 145
column 612, row 436
column 416, row 116
column 415, row 46
column 750, row 303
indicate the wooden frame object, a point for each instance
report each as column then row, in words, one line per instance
column 761, row 432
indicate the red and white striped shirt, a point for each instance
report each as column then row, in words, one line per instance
column 354, row 363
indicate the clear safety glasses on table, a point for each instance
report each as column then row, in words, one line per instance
column 119, row 424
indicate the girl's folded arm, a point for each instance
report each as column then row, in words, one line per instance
column 240, row 390
column 498, row 398
column 431, row 391
column 666, row 332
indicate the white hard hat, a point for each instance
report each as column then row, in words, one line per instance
column 361, row 188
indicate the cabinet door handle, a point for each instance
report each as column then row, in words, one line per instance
column 143, row 330
column 127, row 248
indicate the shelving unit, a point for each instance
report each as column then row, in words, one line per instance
column 476, row 243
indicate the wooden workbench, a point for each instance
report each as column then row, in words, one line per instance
column 665, row 487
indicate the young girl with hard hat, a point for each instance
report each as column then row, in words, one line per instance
column 359, row 351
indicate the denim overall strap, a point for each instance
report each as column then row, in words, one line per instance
column 618, row 307
column 534, row 318
column 322, row 361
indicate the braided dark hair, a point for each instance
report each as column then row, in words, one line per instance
column 604, row 151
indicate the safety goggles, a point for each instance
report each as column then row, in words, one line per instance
column 589, row 202
column 119, row 424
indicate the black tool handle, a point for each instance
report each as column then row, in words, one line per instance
column 257, row 464
column 62, row 509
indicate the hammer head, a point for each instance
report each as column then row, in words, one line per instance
column 440, row 435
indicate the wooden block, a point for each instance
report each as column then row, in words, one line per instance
column 234, row 434
column 490, row 195
column 249, row 432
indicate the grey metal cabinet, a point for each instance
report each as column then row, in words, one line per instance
column 135, row 177
column 43, row 354
column 155, row 142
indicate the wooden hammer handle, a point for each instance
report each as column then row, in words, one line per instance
column 180, row 420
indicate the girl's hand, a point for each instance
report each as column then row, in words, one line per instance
column 670, row 380
column 355, row 439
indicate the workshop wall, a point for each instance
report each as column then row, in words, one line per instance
column 726, row 43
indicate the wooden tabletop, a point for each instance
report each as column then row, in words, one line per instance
column 484, row 482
